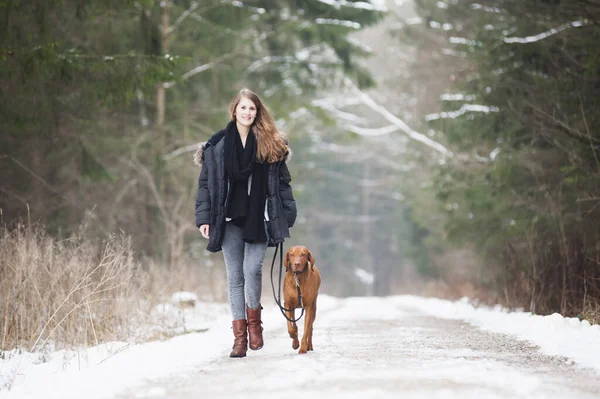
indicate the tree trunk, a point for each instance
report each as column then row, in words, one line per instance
column 367, row 260
column 160, row 90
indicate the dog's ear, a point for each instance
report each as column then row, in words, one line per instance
column 311, row 260
column 287, row 261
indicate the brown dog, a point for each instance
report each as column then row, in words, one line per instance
column 300, row 268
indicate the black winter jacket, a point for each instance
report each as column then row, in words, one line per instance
column 213, row 195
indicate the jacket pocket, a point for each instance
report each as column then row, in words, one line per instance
column 272, row 207
column 272, row 224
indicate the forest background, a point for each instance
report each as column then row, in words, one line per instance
column 446, row 148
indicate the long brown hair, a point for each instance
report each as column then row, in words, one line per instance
column 270, row 142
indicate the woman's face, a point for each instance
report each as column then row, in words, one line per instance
column 245, row 112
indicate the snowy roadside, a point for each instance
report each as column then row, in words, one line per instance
column 554, row 334
column 85, row 371
column 104, row 371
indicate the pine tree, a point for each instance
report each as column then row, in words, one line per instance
column 524, row 195
column 101, row 98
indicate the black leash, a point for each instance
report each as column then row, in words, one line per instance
column 278, row 296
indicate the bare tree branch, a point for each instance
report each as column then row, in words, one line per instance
column 201, row 68
column 373, row 132
column 181, row 150
column 367, row 100
column 183, row 16
column 548, row 33
column 40, row 179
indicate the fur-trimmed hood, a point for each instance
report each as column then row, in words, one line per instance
column 199, row 154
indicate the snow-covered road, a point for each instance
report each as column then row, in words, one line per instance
column 378, row 348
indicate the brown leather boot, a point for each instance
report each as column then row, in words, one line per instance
column 240, row 343
column 254, row 328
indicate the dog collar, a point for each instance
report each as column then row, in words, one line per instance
column 303, row 271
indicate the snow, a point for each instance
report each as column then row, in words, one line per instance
column 462, row 40
column 372, row 6
column 494, row 153
column 183, row 297
column 196, row 70
column 332, row 105
column 476, row 6
column 457, row 97
column 414, row 21
column 358, row 44
column 463, row 110
column 368, row 132
column 543, row 35
column 364, row 276
column 300, row 112
column 437, row 25
column 81, row 373
column 448, row 51
column 329, row 21
column 303, row 54
column 554, row 334
column 268, row 59
column 369, row 102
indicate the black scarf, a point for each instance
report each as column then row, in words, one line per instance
column 240, row 163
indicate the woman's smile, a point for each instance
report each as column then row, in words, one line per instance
column 245, row 112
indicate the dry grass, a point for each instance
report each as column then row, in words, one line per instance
column 65, row 292
column 591, row 313
column 75, row 292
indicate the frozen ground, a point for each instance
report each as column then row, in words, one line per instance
column 402, row 346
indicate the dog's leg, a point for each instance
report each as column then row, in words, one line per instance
column 307, row 329
column 292, row 327
column 312, row 320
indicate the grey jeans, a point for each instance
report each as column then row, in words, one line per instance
column 244, row 270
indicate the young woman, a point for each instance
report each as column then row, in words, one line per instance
column 245, row 204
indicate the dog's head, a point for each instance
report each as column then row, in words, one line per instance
column 298, row 258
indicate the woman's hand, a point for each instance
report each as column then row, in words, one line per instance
column 204, row 230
